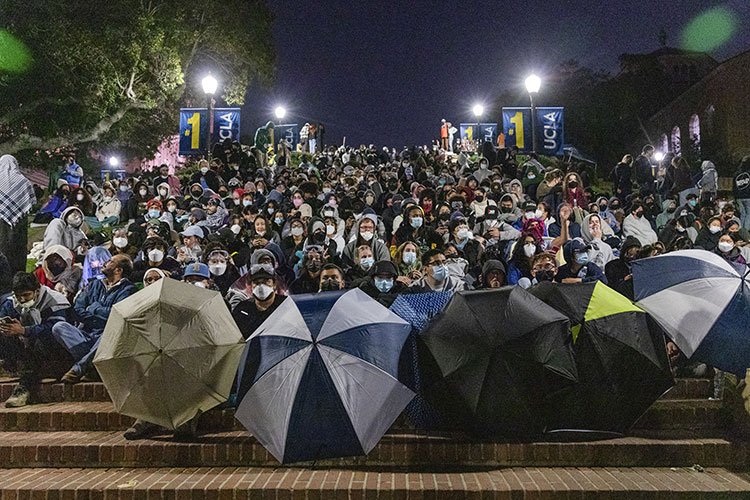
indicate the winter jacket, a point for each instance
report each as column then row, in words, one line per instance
column 59, row 232
column 94, row 303
column 709, row 183
column 50, row 308
column 107, row 209
column 741, row 181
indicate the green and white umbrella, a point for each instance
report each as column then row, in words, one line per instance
column 169, row 353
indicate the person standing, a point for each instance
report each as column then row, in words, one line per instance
column 644, row 173
column 621, row 178
column 16, row 199
column 444, row 134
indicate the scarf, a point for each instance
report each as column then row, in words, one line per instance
column 16, row 192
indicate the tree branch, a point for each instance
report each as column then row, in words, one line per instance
column 27, row 141
column 22, row 111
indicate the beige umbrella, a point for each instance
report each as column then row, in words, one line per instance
column 169, row 352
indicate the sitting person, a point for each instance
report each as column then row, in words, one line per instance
column 155, row 257
column 92, row 308
column 382, row 285
column 435, row 274
column 331, row 278
column 577, row 268
column 66, row 230
column 493, row 274
column 251, row 313
column 26, row 342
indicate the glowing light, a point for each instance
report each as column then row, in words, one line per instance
column 658, row 156
column 280, row 112
column 533, row 84
column 710, row 30
column 478, row 110
column 210, row 85
column 114, row 161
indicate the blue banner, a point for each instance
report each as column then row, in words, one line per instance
column 550, row 135
column 486, row 132
column 288, row 131
column 194, row 126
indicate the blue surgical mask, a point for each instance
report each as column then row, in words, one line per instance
column 439, row 273
column 409, row 258
column 383, row 285
column 582, row 259
column 416, row 222
column 154, row 213
column 366, row 263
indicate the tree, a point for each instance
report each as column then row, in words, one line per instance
column 114, row 73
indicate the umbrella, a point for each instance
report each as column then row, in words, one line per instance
column 169, row 352
column 502, row 353
column 702, row 301
column 319, row 378
column 415, row 369
column 620, row 355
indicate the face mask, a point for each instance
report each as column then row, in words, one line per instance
column 483, row 166
column 79, row 197
column 330, row 229
column 582, row 259
column 75, row 220
column 714, row 229
column 154, row 214
column 439, row 273
column 409, row 257
column 506, row 210
column 638, row 215
column 725, row 246
column 204, row 170
column 262, row 292
column 383, row 285
column 28, row 304
column 538, row 214
column 196, row 194
column 171, row 208
column 143, row 192
column 279, row 221
column 369, row 200
column 529, row 249
column 366, row 263
column 671, row 210
column 296, row 231
column 463, row 234
column 56, row 269
column 199, row 284
column 120, row 242
column 218, row 269
column 603, row 207
column 444, row 216
column 236, row 202
column 297, row 202
column 680, row 229
column 545, row 275
column 326, row 190
column 235, row 229
column 270, row 210
column 615, row 206
column 529, row 215
column 329, row 285
column 246, row 203
column 155, row 255
column 123, row 188
column 692, row 203
column 416, row 222
column 367, row 235
column 572, row 184
column 163, row 193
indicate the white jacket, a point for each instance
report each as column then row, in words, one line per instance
column 639, row 228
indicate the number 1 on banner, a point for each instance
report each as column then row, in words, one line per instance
column 195, row 130
column 517, row 120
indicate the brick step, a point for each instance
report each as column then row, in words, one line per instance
column 293, row 483
column 672, row 415
column 227, row 449
column 55, row 392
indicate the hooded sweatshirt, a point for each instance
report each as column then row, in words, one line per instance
column 600, row 253
column 710, row 180
column 49, row 308
column 59, row 232
column 665, row 216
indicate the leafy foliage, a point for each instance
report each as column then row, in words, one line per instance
column 112, row 74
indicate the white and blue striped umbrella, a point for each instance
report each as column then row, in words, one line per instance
column 703, row 303
column 320, row 376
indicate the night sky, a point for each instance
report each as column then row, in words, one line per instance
column 387, row 72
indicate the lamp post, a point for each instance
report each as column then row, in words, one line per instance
column 209, row 88
column 533, row 83
column 114, row 161
column 478, row 111
column 279, row 112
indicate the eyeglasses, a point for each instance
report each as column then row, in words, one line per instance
column 261, row 267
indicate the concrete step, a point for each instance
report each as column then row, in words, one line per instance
column 664, row 415
column 227, row 449
column 55, row 392
column 304, row 484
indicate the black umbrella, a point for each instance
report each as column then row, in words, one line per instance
column 502, row 353
column 620, row 355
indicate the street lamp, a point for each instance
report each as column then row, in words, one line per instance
column 533, row 83
column 209, row 88
column 280, row 112
column 114, row 161
column 478, row 111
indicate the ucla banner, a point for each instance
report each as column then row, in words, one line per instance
column 288, row 131
column 518, row 128
column 485, row 132
column 194, row 127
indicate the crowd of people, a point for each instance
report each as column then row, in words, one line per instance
column 256, row 229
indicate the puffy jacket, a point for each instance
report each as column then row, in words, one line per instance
column 94, row 303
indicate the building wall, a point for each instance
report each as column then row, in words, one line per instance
column 721, row 100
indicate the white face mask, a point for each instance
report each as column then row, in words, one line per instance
column 163, row 193
column 529, row 215
column 367, row 235
column 171, row 208
column 330, row 229
column 123, row 188
column 529, row 249
column 714, row 229
column 296, row 231
column 725, row 246
column 143, row 192
column 463, row 234
column 218, row 269
column 120, row 242
column 79, row 197
column 538, row 214
column 155, row 255
column 262, row 291
column 204, row 170
column 200, row 284
column 235, row 229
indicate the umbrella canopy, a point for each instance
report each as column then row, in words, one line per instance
column 702, row 301
column 169, row 352
column 620, row 355
column 319, row 379
column 502, row 353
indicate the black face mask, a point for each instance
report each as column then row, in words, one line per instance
column 479, row 199
column 329, row 285
column 602, row 208
column 444, row 216
column 313, row 267
column 506, row 210
column 545, row 275
column 56, row 269
column 615, row 206
column 319, row 237
column 195, row 194
column 572, row 184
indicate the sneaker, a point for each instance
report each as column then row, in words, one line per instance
column 71, row 377
column 21, row 397
column 140, row 429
